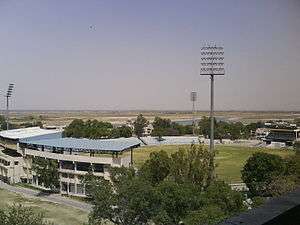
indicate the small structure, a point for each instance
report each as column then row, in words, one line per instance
column 261, row 133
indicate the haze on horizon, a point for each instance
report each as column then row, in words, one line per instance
column 126, row 55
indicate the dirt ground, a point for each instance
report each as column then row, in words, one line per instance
column 61, row 118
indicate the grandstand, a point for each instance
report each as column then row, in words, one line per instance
column 74, row 157
column 287, row 136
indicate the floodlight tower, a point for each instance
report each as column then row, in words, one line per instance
column 8, row 95
column 193, row 100
column 212, row 64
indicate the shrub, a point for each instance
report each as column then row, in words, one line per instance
column 281, row 185
column 259, row 171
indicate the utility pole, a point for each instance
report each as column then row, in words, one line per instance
column 193, row 100
column 8, row 95
column 212, row 64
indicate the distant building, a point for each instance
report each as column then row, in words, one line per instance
column 75, row 157
column 287, row 136
column 261, row 133
column 148, row 130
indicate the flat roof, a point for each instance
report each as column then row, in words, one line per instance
column 29, row 132
column 285, row 130
column 83, row 144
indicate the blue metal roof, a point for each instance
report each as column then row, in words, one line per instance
column 76, row 144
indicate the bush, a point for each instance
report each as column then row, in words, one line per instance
column 19, row 215
column 281, row 185
column 208, row 215
column 229, row 201
column 257, row 201
column 259, row 171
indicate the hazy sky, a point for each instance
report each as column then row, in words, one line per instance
column 146, row 54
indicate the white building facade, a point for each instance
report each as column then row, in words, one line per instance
column 74, row 157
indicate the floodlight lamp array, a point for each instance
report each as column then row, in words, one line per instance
column 9, row 90
column 193, row 96
column 212, row 60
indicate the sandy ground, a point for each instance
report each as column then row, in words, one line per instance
column 60, row 118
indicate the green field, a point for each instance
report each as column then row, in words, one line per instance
column 230, row 159
column 58, row 214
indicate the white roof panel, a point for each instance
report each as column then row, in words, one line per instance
column 83, row 144
column 29, row 132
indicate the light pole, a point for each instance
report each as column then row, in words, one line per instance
column 193, row 100
column 212, row 64
column 8, row 95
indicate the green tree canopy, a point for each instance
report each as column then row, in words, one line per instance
column 157, row 167
column 94, row 129
column 193, row 165
column 47, row 172
column 139, row 124
column 165, row 127
column 260, row 169
column 166, row 191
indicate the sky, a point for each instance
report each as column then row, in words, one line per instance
column 145, row 55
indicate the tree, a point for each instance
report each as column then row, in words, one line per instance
column 192, row 164
column 165, row 191
column 47, row 172
column 20, row 215
column 260, row 169
column 165, row 127
column 95, row 129
column 175, row 201
column 220, row 194
column 157, row 167
column 127, row 200
column 204, row 126
column 139, row 124
column 123, row 131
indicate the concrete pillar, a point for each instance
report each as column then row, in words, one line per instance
column 75, row 184
column 75, row 166
column 60, row 187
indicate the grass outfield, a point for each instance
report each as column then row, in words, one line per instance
column 58, row 214
column 230, row 159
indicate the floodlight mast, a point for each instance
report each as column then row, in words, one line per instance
column 8, row 95
column 193, row 100
column 212, row 64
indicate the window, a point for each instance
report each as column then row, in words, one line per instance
column 67, row 165
column 64, row 175
column 72, row 188
column 98, row 168
column 64, row 186
column 80, row 189
column 83, row 166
